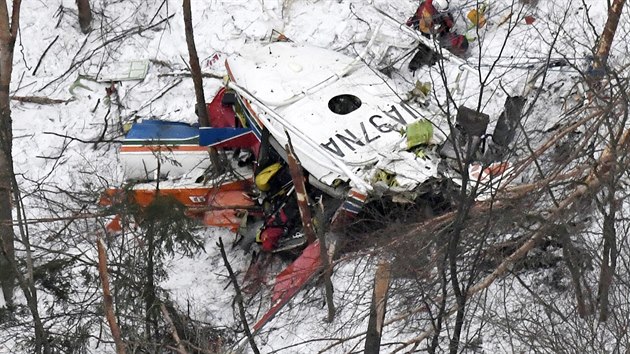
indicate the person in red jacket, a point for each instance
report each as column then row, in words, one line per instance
column 274, row 229
column 455, row 43
column 432, row 17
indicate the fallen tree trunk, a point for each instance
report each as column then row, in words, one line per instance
column 41, row 99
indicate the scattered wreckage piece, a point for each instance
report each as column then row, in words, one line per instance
column 290, row 281
column 192, row 196
column 227, row 208
column 168, row 158
column 123, row 71
column 160, row 147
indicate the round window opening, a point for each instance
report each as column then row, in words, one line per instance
column 344, row 104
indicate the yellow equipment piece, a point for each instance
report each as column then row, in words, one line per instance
column 263, row 178
column 476, row 17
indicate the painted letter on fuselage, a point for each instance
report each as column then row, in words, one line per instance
column 337, row 150
column 366, row 136
column 383, row 128
column 348, row 140
column 396, row 116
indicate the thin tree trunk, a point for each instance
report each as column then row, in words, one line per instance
column 149, row 289
column 378, row 308
column 569, row 253
column 606, row 40
column 7, row 253
column 8, row 34
column 239, row 299
column 195, row 68
column 607, row 271
column 326, row 275
column 85, row 15
column 107, row 297
column 27, row 284
column 297, row 175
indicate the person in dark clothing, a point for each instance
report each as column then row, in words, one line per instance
column 454, row 43
column 432, row 18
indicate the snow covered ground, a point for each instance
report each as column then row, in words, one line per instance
column 61, row 167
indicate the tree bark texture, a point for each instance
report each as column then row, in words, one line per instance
column 606, row 40
column 297, row 174
column 85, row 15
column 202, row 112
column 239, row 299
column 378, row 308
column 195, row 69
column 8, row 34
column 107, row 298
column 300, row 192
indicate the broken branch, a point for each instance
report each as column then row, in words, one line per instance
column 239, row 298
column 107, row 297
column 171, row 326
column 41, row 99
column 44, row 54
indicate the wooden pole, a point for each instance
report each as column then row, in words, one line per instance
column 307, row 226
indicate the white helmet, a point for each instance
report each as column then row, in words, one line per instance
column 441, row 5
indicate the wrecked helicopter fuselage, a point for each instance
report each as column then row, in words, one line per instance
column 354, row 136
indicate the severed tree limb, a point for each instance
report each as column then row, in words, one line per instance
column 378, row 307
column 41, row 99
column 300, row 192
column 107, row 297
column 239, row 299
column 189, row 74
column 326, row 268
column 297, row 175
column 171, row 326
